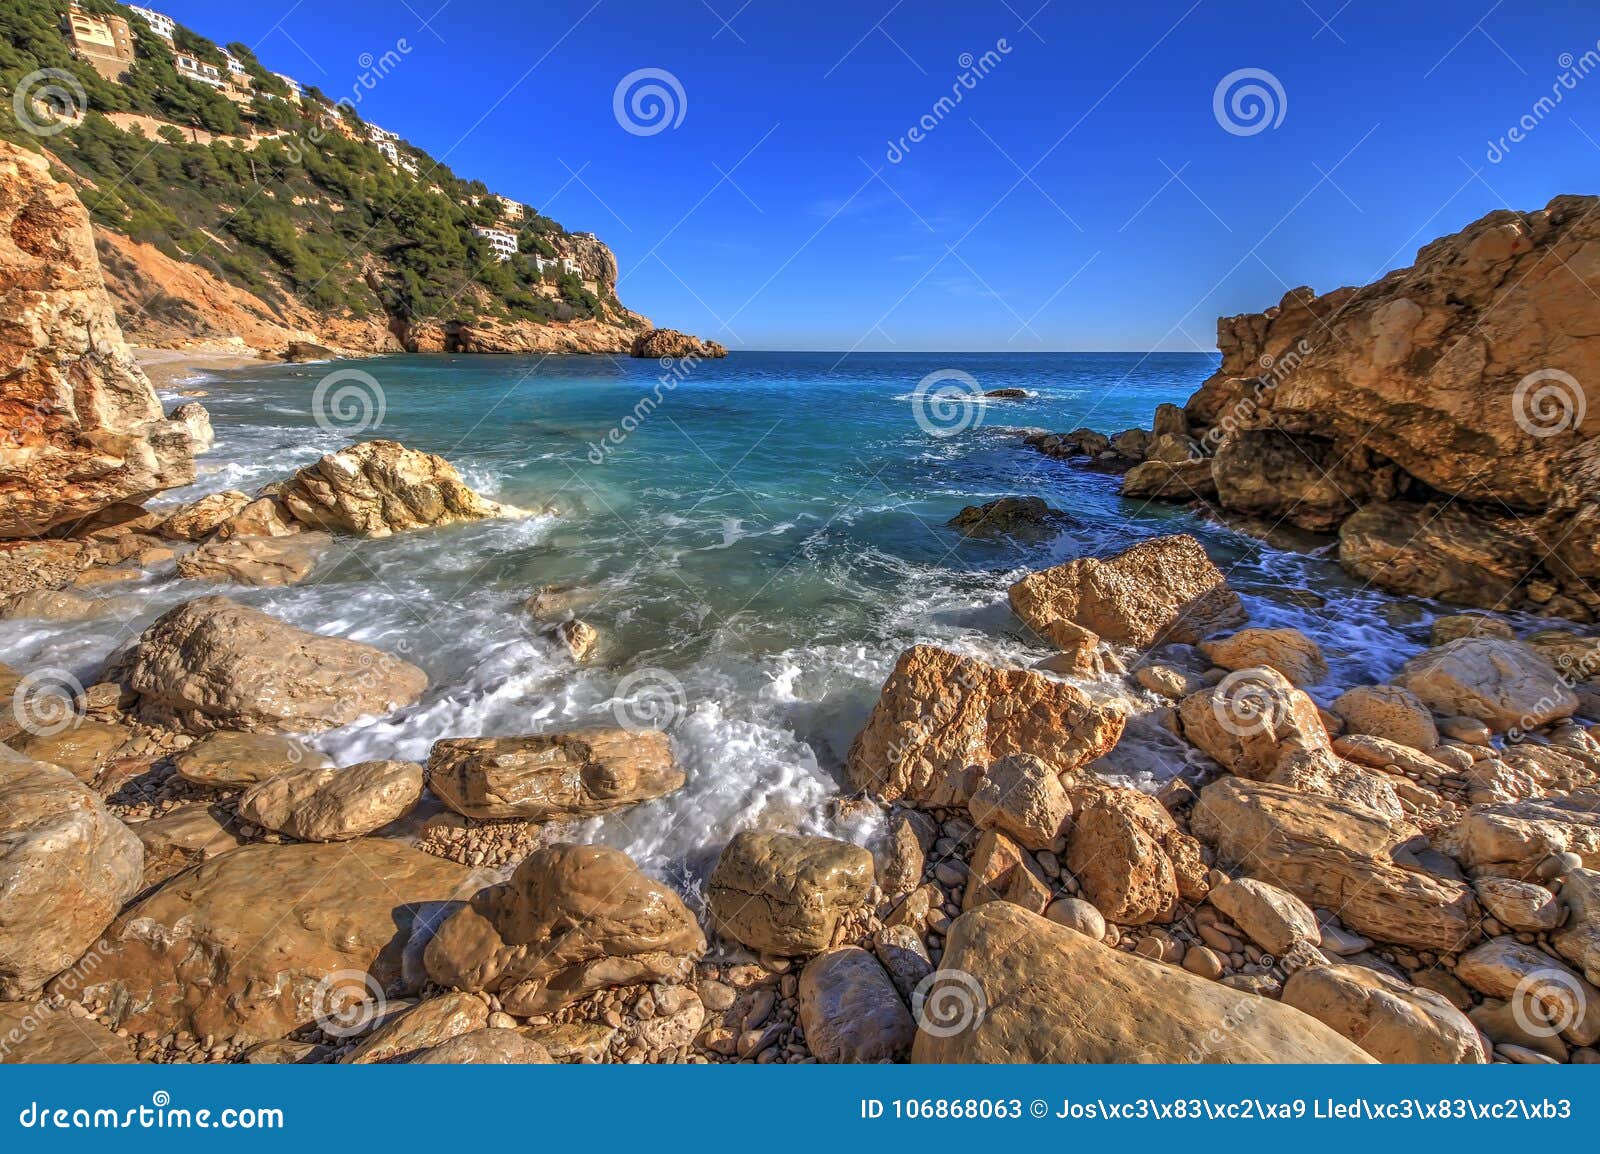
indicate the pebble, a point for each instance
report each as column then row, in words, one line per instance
column 1558, row 864
column 1203, row 961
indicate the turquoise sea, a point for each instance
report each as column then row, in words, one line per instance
column 755, row 546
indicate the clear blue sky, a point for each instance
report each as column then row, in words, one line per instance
column 1082, row 195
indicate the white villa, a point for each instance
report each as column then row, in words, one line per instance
column 197, row 70
column 509, row 209
column 568, row 265
column 294, row 85
column 379, row 135
column 160, row 23
column 502, row 243
column 388, row 151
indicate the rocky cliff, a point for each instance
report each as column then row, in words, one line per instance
column 1437, row 419
column 83, row 428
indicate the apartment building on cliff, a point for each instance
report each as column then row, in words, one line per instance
column 160, row 23
column 105, row 43
column 501, row 242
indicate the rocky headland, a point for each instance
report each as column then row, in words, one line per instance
column 1396, row 872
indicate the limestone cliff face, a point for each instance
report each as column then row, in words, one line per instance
column 82, row 427
column 1445, row 420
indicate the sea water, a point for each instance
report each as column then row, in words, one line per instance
column 756, row 544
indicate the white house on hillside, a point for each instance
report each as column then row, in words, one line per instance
column 197, row 70
column 502, row 243
column 160, row 23
column 568, row 265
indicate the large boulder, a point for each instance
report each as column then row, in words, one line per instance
column 214, row 664
column 942, row 718
column 1159, row 591
column 573, row 919
column 1438, row 551
column 786, row 893
column 376, row 488
column 66, row 867
column 1289, row 651
column 84, row 429
column 1579, row 939
column 424, row 1026
column 1270, row 917
column 1130, row 857
column 851, row 1011
column 1252, row 721
column 1506, row 968
column 199, row 519
column 1504, row 684
column 330, row 804
column 1513, row 838
column 1340, row 856
column 267, row 939
column 670, row 343
column 1389, row 1019
column 1171, row 481
column 1023, row 797
column 552, row 775
column 226, row 759
column 1020, row 989
column 1389, row 712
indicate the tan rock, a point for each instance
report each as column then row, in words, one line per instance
column 66, row 867
column 1289, row 651
column 486, row 1048
column 1130, row 857
column 257, row 943
column 552, row 775
column 1505, row 968
column 579, row 637
column 1518, row 905
column 1504, row 684
column 1077, row 914
column 1439, row 551
column 184, row 837
column 786, row 893
column 225, row 759
column 1270, row 917
column 256, row 560
column 377, row 488
column 1380, row 753
column 1023, row 797
column 1340, row 856
column 84, row 428
column 1252, row 721
column 1167, row 681
column 37, row 1034
column 1001, row 870
column 941, row 717
column 330, row 804
column 1122, row 1007
column 1513, row 838
column 851, row 1011
column 407, row 1035
column 1389, row 712
column 214, row 664
column 1389, row 1019
column 904, row 856
column 1579, row 939
column 199, row 519
column 1159, row 591
column 659, row 343
column 82, row 749
column 262, row 517
column 572, row 920
column 1454, row 626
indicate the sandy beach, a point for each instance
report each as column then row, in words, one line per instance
column 168, row 368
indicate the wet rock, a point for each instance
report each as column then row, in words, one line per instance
column 224, row 759
column 1021, row 517
column 199, row 519
column 38, row 1034
column 1438, row 551
column 572, row 920
column 1159, row 591
column 214, row 664
column 256, row 560
column 786, row 893
column 552, row 775
column 426, row 1025
column 1288, row 651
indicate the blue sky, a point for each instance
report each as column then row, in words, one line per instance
column 1082, row 195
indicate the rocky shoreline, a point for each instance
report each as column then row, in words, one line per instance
column 1396, row 872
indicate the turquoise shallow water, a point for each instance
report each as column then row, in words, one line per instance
column 764, row 540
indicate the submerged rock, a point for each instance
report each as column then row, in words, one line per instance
column 1021, row 517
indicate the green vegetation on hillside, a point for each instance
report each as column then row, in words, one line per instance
column 306, row 210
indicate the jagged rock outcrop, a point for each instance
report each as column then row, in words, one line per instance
column 1436, row 417
column 83, row 428
column 376, row 488
column 671, row 343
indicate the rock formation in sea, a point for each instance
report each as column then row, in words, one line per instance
column 1438, row 420
column 83, row 428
